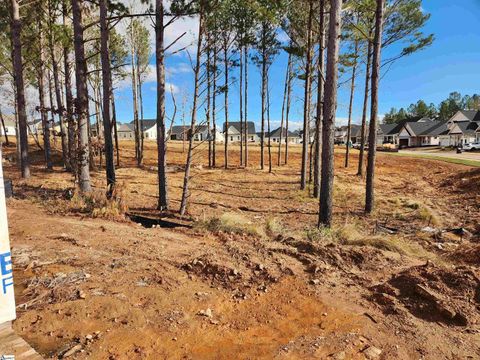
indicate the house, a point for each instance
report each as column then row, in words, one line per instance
column 127, row 131
column 424, row 132
column 234, row 129
column 293, row 138
column 388, row 133
column 10, row 128
column 462, row 128
column 341, row 134
column 180, row 132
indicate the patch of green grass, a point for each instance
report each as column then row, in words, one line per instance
column 467, row 162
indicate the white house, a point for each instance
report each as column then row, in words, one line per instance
column 234, row 128
column 463, row 127
column 179, row 132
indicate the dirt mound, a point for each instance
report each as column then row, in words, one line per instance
column 431, row 293
column 226, row 275
column 468, row 254
column 343, row 257
column 467, row 182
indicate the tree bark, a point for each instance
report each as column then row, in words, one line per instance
column 365, row 109
column 214, row 105
column 209, row 98
column 245, row 50
column 241, row 106
column 7, row 142
column 350, row 107
column 372, row 136
column 114, row 123
column 329, row 110
column 264, row 94
column 136, row 122
column 107, row 87
column 268, row 129
column 287, row 115
column 161, row 141
column 41, row 95
column 185, row 193
column 72, row 148
column 16, row 28
column 225, row 59
column 284, row 103
column 82, row 99
column 320, row 85
column 58, row 92
column 306, row 106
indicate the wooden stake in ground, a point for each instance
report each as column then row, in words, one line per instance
column 16, row 29
column 372, row 136
column 329, row 110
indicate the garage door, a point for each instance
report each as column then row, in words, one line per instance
column 403, row 143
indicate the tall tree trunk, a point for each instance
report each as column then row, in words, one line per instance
column 114, row 123
column 225, row 59
column 161, row 140
column 320, row 85
column 372, row 136
column 58, row 92
column 214, row 104
column 16, row 29
column 136, row 121
column 329, row 110
column 82, row 99
column 268, row 129
column 72, row 148
column 306, row 106
column 140, row 100
column 284, row 103
column 209, row 98
column 41, row 94
column 185, row 194
column 7, row 142
column 264, row 95
column 107, row 87
column 350, row 107
column 245, row 50
column 287, row 114
column 365, row 109
column 241, row 106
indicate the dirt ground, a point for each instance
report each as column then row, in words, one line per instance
column 247, row 275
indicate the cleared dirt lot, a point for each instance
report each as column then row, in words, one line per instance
column 250, row 277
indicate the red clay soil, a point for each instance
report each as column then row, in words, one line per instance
column 112, row 289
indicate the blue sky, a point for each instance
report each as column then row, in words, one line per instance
column 450, row 64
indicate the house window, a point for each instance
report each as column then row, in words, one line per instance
column 231, row 138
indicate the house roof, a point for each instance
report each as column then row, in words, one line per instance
column 147, row 123
column 236, row 125
column 125, row 127
column 440, row 128
column 471, row 115
column 468, row 128
column 283, row 131
column 389, row 129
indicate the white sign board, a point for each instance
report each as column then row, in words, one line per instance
column 7, row 299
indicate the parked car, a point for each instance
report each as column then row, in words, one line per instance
column 472, row 146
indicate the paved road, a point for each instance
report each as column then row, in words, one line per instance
column 445, row 154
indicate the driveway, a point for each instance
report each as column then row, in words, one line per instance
column 446, row 154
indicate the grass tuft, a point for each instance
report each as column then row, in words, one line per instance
column 233, row 223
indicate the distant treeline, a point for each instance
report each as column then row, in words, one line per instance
column 444, row 111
